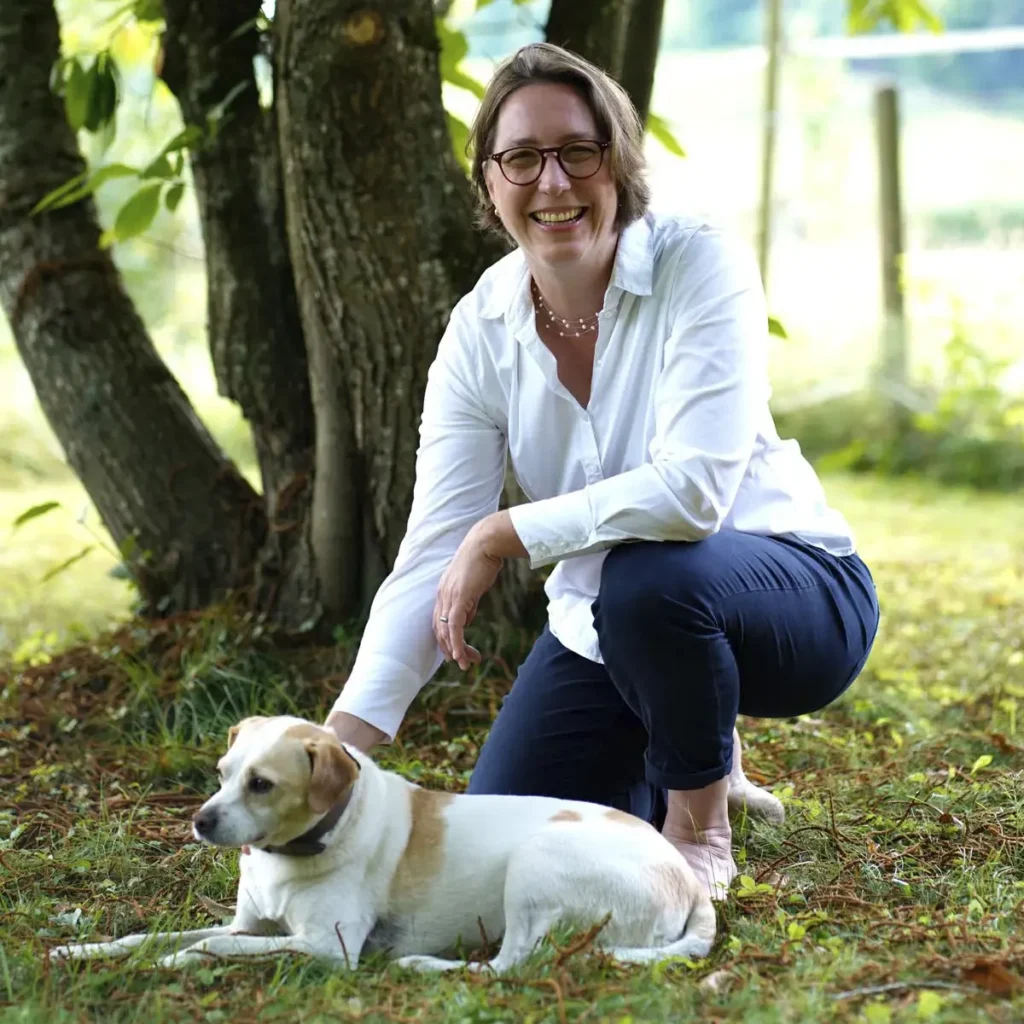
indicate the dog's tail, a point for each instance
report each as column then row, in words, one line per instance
column 696, row 941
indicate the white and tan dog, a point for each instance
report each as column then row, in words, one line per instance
column 341, row 857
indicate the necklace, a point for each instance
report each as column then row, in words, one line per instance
column 571, row 328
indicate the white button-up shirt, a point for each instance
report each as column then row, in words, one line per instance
column 677, row 442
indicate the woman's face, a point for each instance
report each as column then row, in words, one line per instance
column 547, row 114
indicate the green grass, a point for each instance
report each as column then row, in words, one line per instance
column 900, row 863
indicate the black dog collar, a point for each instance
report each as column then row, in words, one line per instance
column 308, row 844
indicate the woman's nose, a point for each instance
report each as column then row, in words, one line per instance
column 552, row 177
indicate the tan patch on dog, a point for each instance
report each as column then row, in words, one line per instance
column 566, row 815
column 424, row 852
column 334, row 768
column 236, row 729
column 671, row 885
column 622, row 818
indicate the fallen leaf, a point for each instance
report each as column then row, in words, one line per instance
column 715, row 980
column 218, row 910
column 995, row 978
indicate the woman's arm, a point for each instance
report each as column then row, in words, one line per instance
column 460, row 471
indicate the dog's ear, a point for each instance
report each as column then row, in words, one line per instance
column 334, row 771
column 236, row 729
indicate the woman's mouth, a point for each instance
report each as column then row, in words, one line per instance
column 559, row 220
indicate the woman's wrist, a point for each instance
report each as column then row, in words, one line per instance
column 497, row 537
column 352, row 729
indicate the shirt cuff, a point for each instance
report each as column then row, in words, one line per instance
column 554, row 528
column 379, row 691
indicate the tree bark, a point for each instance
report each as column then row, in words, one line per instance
column 156, row 476
column 640, row 58
column 255, row 332
column 595, row 30
column 383, row 244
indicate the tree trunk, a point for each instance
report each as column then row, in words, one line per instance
column 595, row 30
column 254, row 328
column 643, row 37
column 157, row 477
column 383, row 244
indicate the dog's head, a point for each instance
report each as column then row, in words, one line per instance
column 278, row 777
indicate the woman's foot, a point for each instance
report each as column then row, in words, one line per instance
column 745, row 797
column 697, row 825
column 710, row 856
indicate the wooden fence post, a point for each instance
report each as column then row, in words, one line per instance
column 893, row 362
column 773, row 43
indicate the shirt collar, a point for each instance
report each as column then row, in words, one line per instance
column 633, row 271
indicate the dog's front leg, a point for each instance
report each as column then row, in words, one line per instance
column 342, row 947
column 123, row 946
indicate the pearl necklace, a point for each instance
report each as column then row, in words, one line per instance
column 573, row 328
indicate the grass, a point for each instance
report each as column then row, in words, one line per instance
column 893, row 892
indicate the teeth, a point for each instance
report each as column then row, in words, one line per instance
column 559, row 218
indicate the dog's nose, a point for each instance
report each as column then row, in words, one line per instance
column 205, row 821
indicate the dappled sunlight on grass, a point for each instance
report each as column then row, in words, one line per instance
column 892, row 892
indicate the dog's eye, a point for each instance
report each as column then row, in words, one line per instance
column 258, row 784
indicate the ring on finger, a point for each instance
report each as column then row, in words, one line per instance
column 442, row 618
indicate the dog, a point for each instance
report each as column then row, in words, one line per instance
column 340, row 858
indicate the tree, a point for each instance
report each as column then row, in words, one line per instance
column 339, row 233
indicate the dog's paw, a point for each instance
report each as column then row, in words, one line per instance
column 174, row 961
column 756, row 802
column 63, row 952
column 429, row 963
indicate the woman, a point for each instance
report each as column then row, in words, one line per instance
column 620, row 358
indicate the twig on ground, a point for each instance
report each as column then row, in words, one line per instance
column 899, row 986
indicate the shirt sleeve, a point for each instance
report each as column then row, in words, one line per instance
column 709, row 397
column 460, row 471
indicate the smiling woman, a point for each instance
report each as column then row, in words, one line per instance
column 620, row 359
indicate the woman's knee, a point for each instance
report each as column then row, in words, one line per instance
column 643, row 585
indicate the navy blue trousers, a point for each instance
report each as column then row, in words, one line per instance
column 691, row 634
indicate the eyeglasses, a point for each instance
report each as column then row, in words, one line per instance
column 523, row 165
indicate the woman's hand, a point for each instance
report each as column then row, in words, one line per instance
column 472, row 572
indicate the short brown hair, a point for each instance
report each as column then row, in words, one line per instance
column 613, row 111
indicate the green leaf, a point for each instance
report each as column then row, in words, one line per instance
column 926, row 16
column 246, row 26
column 159, row 168
column 76, row 94
column 877, row 1013
column 481, row 4
column 148, row 10
column 138, row 212
column 658, row 127
column 82, row 185
column 216, row 113
column 747, row 882
column 103, row 92
column 468, row 82
column 775, row 327
column 174, row 194
column 51, row 198
column 35, row 512
column 983, row 762
column 453, row 48
column 67, row 563
column 928, row 1004
column 188, row 137
column 459, row 132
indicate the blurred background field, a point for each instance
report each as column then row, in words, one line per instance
column 963, row 185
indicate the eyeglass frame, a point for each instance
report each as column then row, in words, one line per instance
column 544, row 152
